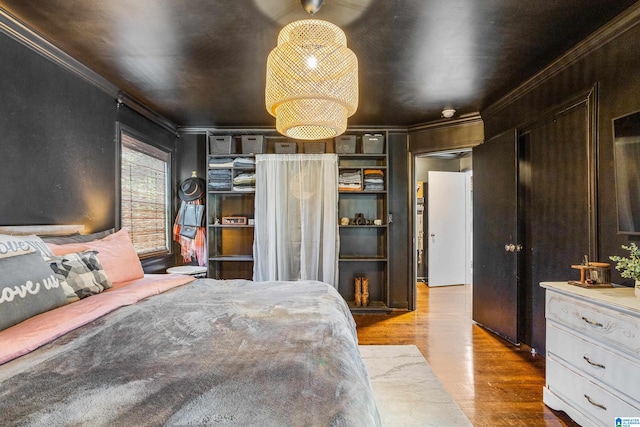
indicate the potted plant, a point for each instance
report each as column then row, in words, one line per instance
column 630, row 267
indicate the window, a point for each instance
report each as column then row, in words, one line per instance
column 144, row 189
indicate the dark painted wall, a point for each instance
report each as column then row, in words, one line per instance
column 58, row 146
column 58, row 157
column 614, row 70
column 191, row 156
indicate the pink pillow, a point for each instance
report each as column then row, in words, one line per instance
column 115, row 252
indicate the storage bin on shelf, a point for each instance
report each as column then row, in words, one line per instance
column 286, row 148
column 373, row 144
column 345, row 144
column 253, row 144
column 221, row 144
column 314, row 147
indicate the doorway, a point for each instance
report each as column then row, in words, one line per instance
column 457, row 162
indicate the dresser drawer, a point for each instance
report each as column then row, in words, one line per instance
column 618, row 330
column 614, row 371
column 585, row 396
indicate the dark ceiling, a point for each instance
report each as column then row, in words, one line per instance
column 202, row 62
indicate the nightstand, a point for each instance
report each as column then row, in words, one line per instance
column 189, row 270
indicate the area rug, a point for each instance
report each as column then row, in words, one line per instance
column 407, row 391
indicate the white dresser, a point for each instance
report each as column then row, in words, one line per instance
column 593, row 353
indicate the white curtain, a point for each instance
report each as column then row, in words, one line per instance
column 296, row 218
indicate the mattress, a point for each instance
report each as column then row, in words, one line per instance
column 205, row 353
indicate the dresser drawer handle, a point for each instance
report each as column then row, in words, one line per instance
column 600, row 325
column 597, row 365
column 599, row 405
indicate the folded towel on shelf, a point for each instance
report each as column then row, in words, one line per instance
column 244, row 188
column 220, row 162
column 350, row 180
column 373, row 180
column 349, row 176
column 244, row 162
column 219, row 174
column 219, row 179
column 350, row 187
column 244, row 179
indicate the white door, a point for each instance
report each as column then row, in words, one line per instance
column 447, row 209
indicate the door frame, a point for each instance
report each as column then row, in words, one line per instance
column 414, row 206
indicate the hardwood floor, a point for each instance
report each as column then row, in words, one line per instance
column 494, row 382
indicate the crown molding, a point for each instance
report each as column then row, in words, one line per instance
column 201, row 130
column 184, row 130
column 469, row 119
column 19, row 31
column 613, row 29
column 142, row 109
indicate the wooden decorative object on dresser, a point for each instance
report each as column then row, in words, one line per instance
column 593, row 352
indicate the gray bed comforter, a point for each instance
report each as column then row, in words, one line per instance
column 207, row 353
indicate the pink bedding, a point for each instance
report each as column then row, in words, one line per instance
column 45, row 327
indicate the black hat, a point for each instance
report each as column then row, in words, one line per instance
column 191, row 189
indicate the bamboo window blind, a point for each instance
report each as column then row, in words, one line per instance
column 144, row 202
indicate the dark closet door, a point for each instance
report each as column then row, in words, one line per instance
column 495, row 228
column 556, row 181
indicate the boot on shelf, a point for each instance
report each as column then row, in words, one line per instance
column 365, row 291
column 358, row 293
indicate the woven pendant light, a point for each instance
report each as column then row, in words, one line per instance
column 312, row 80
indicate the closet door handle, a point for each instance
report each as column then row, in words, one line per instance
column 598, row 405
column 591, row 322
column 597, row 365
column 510, row 247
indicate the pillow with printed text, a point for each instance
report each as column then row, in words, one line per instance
column 27, row 287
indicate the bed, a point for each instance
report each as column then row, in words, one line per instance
column 173, row 350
